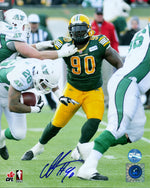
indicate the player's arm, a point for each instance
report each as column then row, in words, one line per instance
column 27, row 50
column 113, row 57
column 14, row 102
column 43, row 45
column 16, row 106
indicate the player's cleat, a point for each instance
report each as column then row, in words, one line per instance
column 4, row 153
column 28, row 156
column 82, row 151
column 36, row 150
column 95, row 177
column 3, row 149
column 88, row 173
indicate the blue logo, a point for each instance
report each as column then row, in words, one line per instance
column 134, row 155
column 135, row 171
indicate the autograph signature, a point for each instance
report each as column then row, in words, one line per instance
column 56, row 163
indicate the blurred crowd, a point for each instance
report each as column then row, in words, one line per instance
column 84, row 3
column 47, row 2
column 137, row 2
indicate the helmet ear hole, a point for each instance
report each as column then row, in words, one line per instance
column 17, row 19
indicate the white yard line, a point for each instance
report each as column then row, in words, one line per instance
column 99, row 130
column 145, row 139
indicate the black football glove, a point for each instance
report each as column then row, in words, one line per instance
column 40, row 103
column 67, row 100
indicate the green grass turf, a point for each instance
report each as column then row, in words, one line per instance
column 65, row 141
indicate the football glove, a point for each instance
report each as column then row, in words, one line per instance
column 44, row 45
column 67, row 50
column 38, row 107
column 67, row 100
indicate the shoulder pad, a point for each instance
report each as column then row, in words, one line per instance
column 60, row 41
column 94, row 37
column 58, row 44
column 67, row 39
column 103, row 40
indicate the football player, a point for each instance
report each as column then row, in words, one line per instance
column 84, row 82
column 17, row 76
column 126, row 116
column 13, row 36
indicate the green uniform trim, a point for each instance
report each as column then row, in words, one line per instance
column 138, row 73
column 5, row 52
column 104, row 141
column 8, row 134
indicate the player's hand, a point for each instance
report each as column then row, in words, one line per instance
column 38, row 107
column 67, row 50
column 44, row 45
column 67, row 100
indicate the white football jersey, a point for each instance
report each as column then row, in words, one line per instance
column 137, row 63
column 18, row 73
column 21, row 76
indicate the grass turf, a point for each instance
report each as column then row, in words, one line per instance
column 113, row 163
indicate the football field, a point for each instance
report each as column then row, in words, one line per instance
column 44, row 171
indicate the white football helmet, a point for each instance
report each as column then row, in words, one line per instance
column 18, row 20
column 45, row 76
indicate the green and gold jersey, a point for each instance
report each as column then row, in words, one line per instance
column 84, row 67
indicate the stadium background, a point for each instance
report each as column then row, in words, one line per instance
column 58, row 18
column 113, row 164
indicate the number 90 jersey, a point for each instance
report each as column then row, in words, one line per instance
column 84, row 67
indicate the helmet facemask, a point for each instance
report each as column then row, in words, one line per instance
column 79, row 33
column 42, row 85
column 45, row 77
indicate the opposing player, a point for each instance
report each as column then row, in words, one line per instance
column 126, row 117
column 83, row 82
column 13, row 36
column 17, row 76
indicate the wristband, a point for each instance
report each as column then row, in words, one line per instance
column 60, row 53
column 34, row 109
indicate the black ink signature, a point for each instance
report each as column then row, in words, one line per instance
column 56, row 163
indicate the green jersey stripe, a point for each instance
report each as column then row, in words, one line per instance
column 119, row 97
